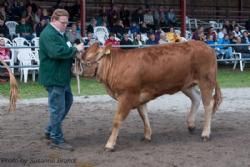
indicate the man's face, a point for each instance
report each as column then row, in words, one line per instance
column 61, row 23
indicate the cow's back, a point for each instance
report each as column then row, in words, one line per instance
column 161, row 69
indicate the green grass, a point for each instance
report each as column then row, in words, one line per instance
column 234, row 79
column 226, row 77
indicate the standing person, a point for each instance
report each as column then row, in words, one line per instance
column 56, row 55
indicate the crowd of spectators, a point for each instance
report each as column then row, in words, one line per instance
column 125, row 26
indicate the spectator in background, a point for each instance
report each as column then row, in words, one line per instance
column 199, row 34
column 3, row 12
column 78, row 27
column 112, row 16
column 171, row 35
column 73, row 35
column 90, row 39
column 245, row 38
column 24, row 29
column 37, row 17
column 247, row 25
column 151, row 40
column 29, row 16
column 242, row 49
column 92, row 25
column 4, row 52
column 212, row 32
column 227, row 51
column 124, row 16
column 45, row 15
column 228, row 26
column 4, row 55
column 148, row 18
column 40, row 26
column 126, row 41
column 118, row 29
column 111, row 40
column 237, row 32
column 144, row 29
column 222, row 33
column 4, row 31
column 138, row 40
column 171, row 17
column 137, row 16
column 163, row 39
column 134, row 28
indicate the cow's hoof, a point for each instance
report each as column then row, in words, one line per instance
column 205, row 138
column 146, row 140
column 191, row 130
column 109, row 149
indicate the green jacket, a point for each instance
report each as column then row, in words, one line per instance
column 24, row 28
column 56, row 58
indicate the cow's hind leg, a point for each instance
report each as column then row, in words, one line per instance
column 194, row 95
column 206, row 88
column 143, row 112
column 122, row 112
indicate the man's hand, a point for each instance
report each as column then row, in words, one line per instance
column 79, row 47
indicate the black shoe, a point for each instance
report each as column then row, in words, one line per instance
column 63, row 146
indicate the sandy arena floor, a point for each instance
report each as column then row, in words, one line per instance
column 89, row 123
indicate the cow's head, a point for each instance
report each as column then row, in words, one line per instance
column 92, row 56
column 95, row 53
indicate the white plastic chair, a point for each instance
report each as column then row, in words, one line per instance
column 12, row 27
column 215, row 25
column 101, row 34
column 19, row 41
column 237, row 55
column 35, row 42
column 26, row 58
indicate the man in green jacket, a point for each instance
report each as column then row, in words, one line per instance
column 56, row 56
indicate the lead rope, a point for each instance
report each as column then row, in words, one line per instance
column 78, row 70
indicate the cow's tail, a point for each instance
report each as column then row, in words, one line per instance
column 217, row 97
column 13, row 88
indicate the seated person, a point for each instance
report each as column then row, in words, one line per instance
column 90, row 39
column 111, row 40
column 151, row 40
column 4, row 52
column 4, row 31
column 171, row 36
column 73, row 34
column 126, row 41
column 242, row 49
column 40, row 26
column 134, row 28
column 4, row 55
column 138, row 40
column 227, row 51
column 24, row 29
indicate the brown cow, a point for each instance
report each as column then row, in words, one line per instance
column 134, row 77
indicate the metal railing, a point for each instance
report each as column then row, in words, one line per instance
column 130, row 47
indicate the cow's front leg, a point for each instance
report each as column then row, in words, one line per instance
column 143, row 111
column 194, row 95
column 122, row 112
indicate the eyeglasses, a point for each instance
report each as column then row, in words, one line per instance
column 63, row 22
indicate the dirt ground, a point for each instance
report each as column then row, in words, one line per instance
column 89, row 123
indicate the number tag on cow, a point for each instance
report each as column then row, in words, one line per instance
column 69, row 44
